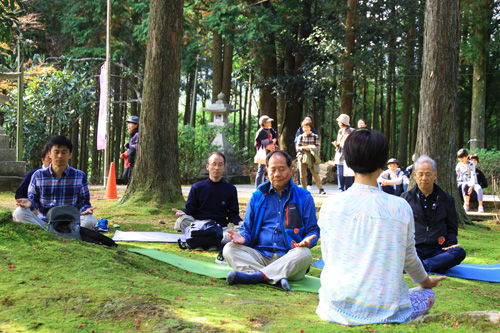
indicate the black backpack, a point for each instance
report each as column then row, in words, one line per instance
column 204, row 234
column 91, row 236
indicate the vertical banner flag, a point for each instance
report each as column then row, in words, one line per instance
column 101, row 125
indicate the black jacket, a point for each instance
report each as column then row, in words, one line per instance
column 444, row 222
column 481, row 179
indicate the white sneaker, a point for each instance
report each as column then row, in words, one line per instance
column 466, row 208
column 309, row 187
column 480, row 209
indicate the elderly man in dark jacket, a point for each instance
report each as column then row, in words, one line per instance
column 436, row 224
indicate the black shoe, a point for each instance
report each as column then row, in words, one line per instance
column 322, row 191
column 220, row 259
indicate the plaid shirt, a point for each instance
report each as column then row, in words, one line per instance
column 305, row 140
column 46, row 191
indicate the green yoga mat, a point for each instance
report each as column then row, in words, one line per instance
column 309, row 283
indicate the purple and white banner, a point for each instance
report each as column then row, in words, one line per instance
column 101, row 125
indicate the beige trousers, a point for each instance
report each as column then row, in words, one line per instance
column 303, row 175
column 292, row 266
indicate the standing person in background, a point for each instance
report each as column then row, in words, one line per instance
column 345, row 130
column 267, row 138
column 299, row 132
column 131, row 145
column 308, row 155
column 362, row 124
column 467, row 180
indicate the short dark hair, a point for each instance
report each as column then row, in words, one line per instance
column 474, row 157
column 282, row 152
column 45, row 150
column 462, row 153
column 60, row 141
column 216, row 153
column 366, row 151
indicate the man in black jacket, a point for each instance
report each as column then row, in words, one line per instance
column 436, row 224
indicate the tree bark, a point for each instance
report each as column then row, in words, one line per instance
column 478, row 111
column 158, row 146
column 381, row 103
column 216, row 65
column 227, row 70
column 438, row 94
column 267, row 100
column 189, row 92
column 75, row 131
column 374, row 101
column 350, row 38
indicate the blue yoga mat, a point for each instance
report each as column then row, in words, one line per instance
column 488, row 273
column 151, row 237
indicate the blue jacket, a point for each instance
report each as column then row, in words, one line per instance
column 299, row 216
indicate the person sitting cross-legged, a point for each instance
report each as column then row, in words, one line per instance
column 280, row 226
column 436, row 222
column 57, row 185
column 211, row 199
column 391, row 180
column 366, row 243
column 22, row 190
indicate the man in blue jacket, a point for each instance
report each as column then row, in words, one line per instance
column 279, row 228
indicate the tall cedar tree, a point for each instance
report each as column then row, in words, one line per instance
column 438, row 93
column 158, row 148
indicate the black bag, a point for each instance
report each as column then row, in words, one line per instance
column 91, row 236
column 204, row 234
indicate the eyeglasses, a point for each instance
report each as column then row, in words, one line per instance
column 220, row 165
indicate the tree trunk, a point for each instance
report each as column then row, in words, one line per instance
column 388, row 105
column 381, row 103
column 350, row 38
column 374, row 101
column 158, row 147
column 438, row 94
column 227, row 70
column 478, row 111
column 363, row 108
column 189, row 92
column 216, row 65
column 249, row 117
column 75, row 131
column 267, row 101
column 95, row 158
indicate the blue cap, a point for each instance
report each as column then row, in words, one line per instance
column 133, row 119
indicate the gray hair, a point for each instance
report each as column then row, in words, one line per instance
column 425, row 158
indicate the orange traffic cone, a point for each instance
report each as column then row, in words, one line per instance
column 111, row 186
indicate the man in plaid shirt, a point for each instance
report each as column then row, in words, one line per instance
column 57, row 185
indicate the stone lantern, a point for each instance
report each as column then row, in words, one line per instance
column 219, row 117
column 11, row 171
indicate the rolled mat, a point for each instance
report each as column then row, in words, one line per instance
column 151, row 237
column 488, row 273
column 308, row 284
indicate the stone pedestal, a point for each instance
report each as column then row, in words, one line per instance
column 11, row 171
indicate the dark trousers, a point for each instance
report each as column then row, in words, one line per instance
column 309, row 176
column 344, row 182
column 439, row 261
